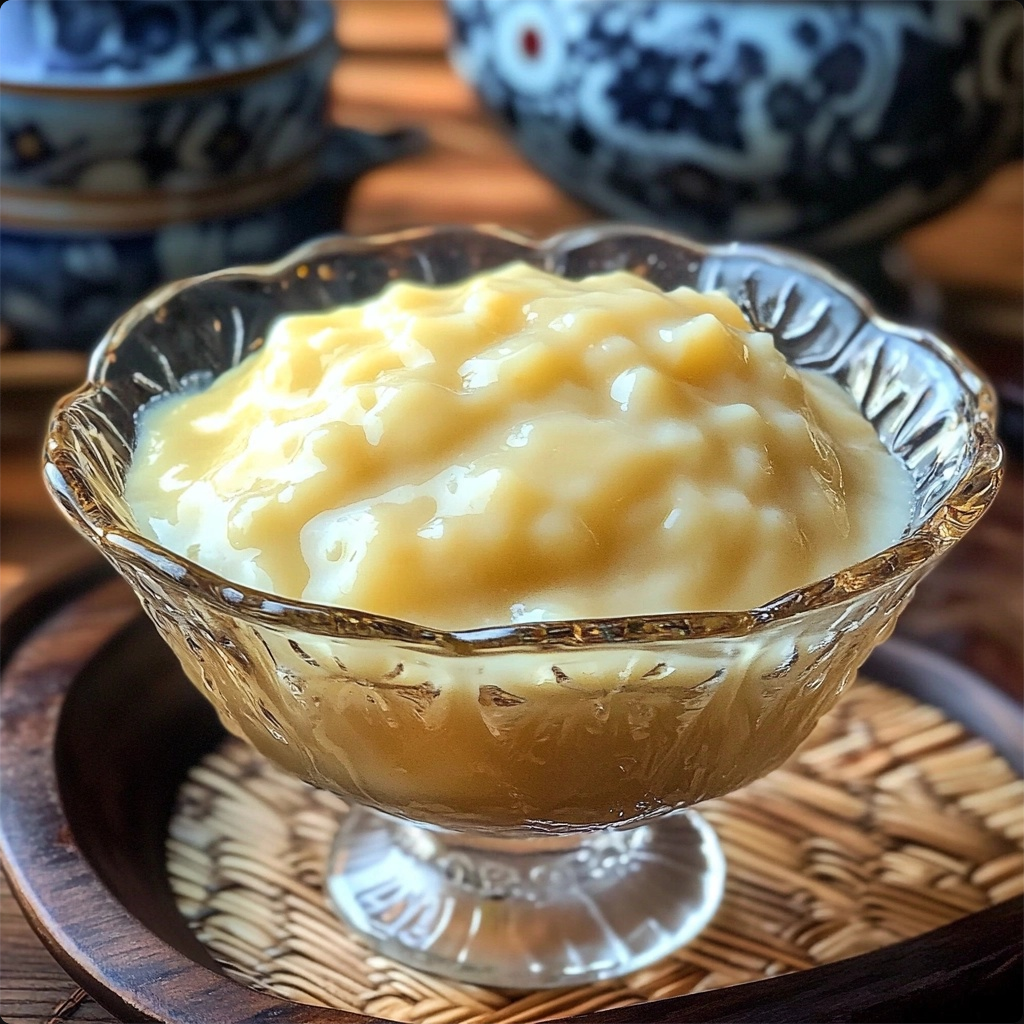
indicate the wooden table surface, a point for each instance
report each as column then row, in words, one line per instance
column 395, row 74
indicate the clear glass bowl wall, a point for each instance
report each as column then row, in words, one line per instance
column 539, row 727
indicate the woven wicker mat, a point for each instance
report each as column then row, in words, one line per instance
column 889, row 821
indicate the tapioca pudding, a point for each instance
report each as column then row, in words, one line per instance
column 519, row 447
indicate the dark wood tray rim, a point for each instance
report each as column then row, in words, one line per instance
column 970, row 970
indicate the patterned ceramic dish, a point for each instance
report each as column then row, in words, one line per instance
column 826, row 124
column 69, row 268
column 493, row 861
column 174, row 95
column 147, row 140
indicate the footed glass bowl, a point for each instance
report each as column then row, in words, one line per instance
column 520, row 793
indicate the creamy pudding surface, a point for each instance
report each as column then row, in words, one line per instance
column 518, row 447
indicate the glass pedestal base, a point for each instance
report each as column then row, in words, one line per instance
column 526, row 913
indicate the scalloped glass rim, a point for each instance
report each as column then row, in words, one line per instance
column 977, row 485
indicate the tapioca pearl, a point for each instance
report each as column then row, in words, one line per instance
column 600, row 316
column 776, row 524
column 685, row 439
column 281, row 373
column 720, row 305
column 790, row 427
column 639, row 514
column 792, row 391
column 740, row 423
column 700, row 350
column 787, row 574
column 496, row 536
column 362, row 364
column 751, row 468
column 532, row 371
column 730, row 517
column 564, row 536
column 761, row 345
column 607, row 355
column 621, row 483
column 774, row 535
column 641, row 391
column 384, row 424
column 497, row 312
column 731, row 504
column 344, row 535
column 685, row 546
column 450, row 334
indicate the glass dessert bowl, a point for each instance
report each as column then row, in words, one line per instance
column 520, row 793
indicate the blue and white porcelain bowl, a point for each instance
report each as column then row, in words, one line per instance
column 826, row 124
column 147, row 140
column 114, row 98
column 62, row 287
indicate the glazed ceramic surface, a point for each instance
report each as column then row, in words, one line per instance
column 115, row 98
column 55, row 43
column 122, row 143
column 63, row 290
column 827, row 124
column 68, row 275
column 147, row 140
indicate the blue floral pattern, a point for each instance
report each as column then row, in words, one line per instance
column 117, row 95
column 173, row 142
column 826, row 124
column 112, row 107
column 64, row 290
column 132, row 42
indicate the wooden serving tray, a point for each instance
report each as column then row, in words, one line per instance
column 99, row 728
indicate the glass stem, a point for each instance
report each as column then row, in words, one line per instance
column 526, row 912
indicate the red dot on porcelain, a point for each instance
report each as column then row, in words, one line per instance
column 531, row 42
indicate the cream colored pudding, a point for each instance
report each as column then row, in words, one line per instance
column 519, row 447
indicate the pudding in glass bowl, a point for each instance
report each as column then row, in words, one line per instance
column 516, row 447
column 524, row 752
